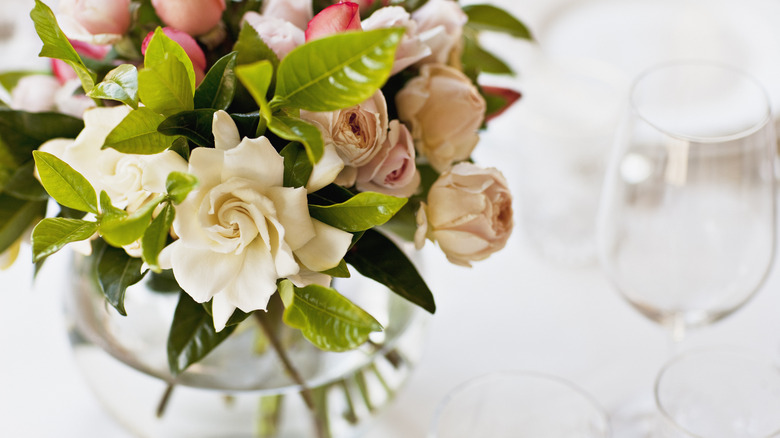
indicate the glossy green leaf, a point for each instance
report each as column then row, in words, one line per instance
column 358, row 64
column 156, row 236
column 192, row 335
column 16, row 216
column 491, row 18
column 247, row 124
column 179, row 185
column 162, row 49
column 137, row 134
column 64, row 184
column 297, row 166
column 164, row 88
column 294, row 129
column 24, row 132
column 340, row 271
column 195, row 125
column 121, row 230
column 257, row 78
column 377, row 257
column 479, row 60
column 120, row 84
column 116, row 271
column 364, row 211
column 326, row 318
column 23, row 185
column 52, row 234
column 56, row 44
column 219, row 86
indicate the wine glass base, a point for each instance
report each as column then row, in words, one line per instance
column 635, row 417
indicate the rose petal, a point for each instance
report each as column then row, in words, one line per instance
column 337, row 18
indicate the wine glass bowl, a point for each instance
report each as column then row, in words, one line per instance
column 687, row 219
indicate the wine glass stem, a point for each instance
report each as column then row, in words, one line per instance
column 677, row 336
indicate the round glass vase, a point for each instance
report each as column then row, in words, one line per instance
column 242, row 388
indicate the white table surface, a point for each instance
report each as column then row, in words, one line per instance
column 515, row 311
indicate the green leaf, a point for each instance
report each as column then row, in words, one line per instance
column 257, row 78
column 340, row 271
column 326, row 318
column 137, row 134
column 294, row 129
column 52, row 234
column 491, row 18
column 16, row 216
column 195, row 125
column 251, row 48
column 377, row 257
column 156, row 236
column 219, row 86
column 121, row 230
column 120, row 84
column 192, row 335
column 364, row 211
column 297, row 167
column 64, row 184
column 179, row 185
column 23, row 184
column 24, row 132
column 116, row 271
column 56, row 44
column 478, row 59
column 358, row 64
column 247, row 124
column 164, row 88
column 162, row 49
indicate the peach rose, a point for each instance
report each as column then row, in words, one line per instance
column 392, row 171
column 297, row 12
column 444, row 110
column 469, row 214
column 96, row 21
column 440, row 25
column 195, row 17
column 411, row 49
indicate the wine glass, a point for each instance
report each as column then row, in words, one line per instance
column 686, row 226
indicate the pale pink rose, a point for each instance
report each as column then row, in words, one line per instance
column 279, row 35
column 35, row 93
column 297, row 12
column 357, row 132
column 410, row 49
column 195, row 17
column 440, row 25
column 469, row 214
column 190, row 46
column 341, row 17
column 365, row 5
column 444, row 110
column 97, row 21
column 392, row 171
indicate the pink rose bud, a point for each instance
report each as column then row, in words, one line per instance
column 507, row 95
column 341, row 17
column 194, row 17
column 99, row 16
column 187, row 43
column 393, row 170
column 63, row 72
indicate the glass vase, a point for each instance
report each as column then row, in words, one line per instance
column 242, row 388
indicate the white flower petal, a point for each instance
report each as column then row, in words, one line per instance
column 255, row 282
column 206, row 164
column 226, row 134
column 203, row 273
column 292, row 210
column 254, row 159
column 326, row 170
column 326, row 249
column 221, row 311
column 157, row 168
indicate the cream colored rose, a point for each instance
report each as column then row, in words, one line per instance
column 411, row 49
column 469, row 214
column 357, row 133
column 440, row 27
column 444, row 110
column 240, row 230
column 297, row 12
column 279, row 35
column 393, row 170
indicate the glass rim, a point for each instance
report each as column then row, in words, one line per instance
column 736, row 351
column 749, row 78
column 549, row 378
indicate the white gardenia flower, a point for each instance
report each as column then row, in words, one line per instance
column 240, row 229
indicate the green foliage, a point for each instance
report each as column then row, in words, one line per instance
column 340, row 271
column 156, row 236
column 64, row 184
column 116, row 271
column 16, row 216
column 297, row 167
column 358, row 63
column 179, row 185
column 219, row 86
column 137, row 134
column 192, row 335
column 52, row 234
column 326, row 318
column 120, row 228
column 56, row 44
column 195, row 125
column 164, row 87
column 295, row 129
column 120, row 84
column 491, row 18
column 162, row 49
column 362, row 212
column 476, row 59
column 251, row 48
column 22, row 184
column 257, row 78
column 22, row 132
column 377, row 257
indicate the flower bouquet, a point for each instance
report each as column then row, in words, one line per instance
column 245, row 153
